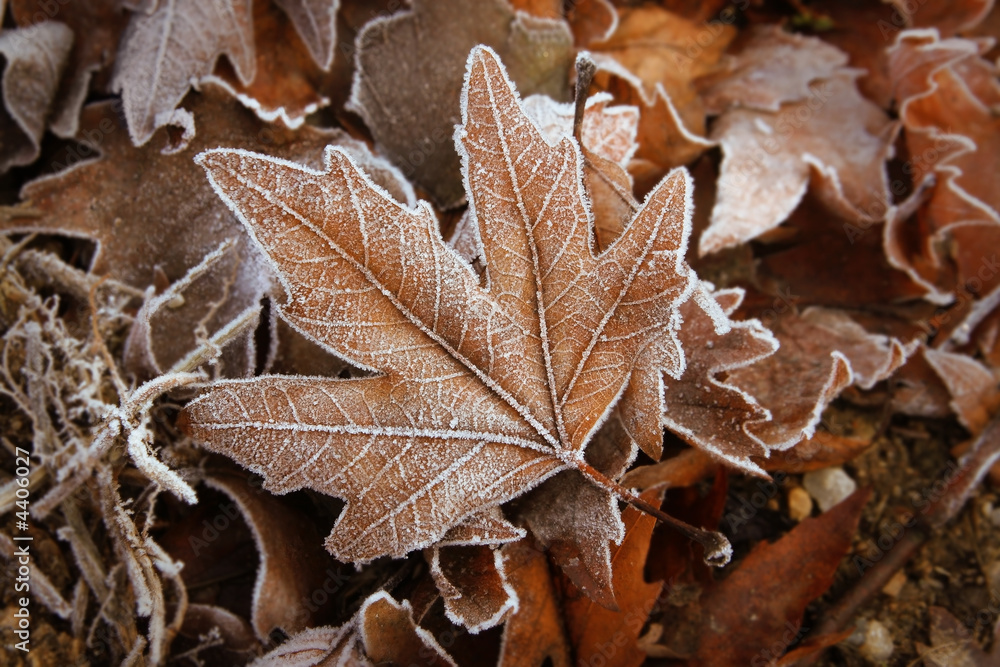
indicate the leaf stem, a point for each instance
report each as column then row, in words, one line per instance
column 585, row 70
column 718, row 551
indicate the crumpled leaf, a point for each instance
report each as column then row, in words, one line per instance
column 974, row 391
column 743, row 617
column 409, row 78
column 592, row 20
column 97, row 26
column 534, row 632
column 139, row 204
column 176, row 42
column 396, row 299
column 835, row 137
column 35, row 58
column 945, row 92
column 822, row 352
column 590, row 627
column 473, row 582
column 235, row 632
column 711, row 414
column 291, row 566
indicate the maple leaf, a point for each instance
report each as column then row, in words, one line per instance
column 482, row 392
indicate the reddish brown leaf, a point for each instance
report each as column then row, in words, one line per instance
column 975, row 396
column 596, row 631
column 473, row 582
column 759, row 607
column 535, row 631
column 390, row 636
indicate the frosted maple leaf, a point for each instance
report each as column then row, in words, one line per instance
column 480, row 391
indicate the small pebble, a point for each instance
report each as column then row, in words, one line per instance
column 828, row 486
column 800, row 505
column 895, row 585
column 877, row 647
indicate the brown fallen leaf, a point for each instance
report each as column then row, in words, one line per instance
column 822, row 352
column 35, row 58
column 975, row 395
column 287, row 82
column 390, row 636
column 944, row 92
column 595, row 631
column 396, row 299
column 592, row 21
column 97, row 26
column 772, row 68
column 316, row 23
column 473, row 582
column 754, row 615
column 534, row 633
column 835, row 138
column 291, row 565
column 409, row 78
column 139, row 205
column 176, row 42
column 707, row 412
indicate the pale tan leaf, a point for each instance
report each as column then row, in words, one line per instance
column 316, row 22
column 318, row 647
column 482, row 392
column 177, row 42
column 35, row 57
column 773, row 67
column 836, row 137
column 973, row 387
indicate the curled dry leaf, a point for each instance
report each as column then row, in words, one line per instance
column 97, row 26
column 952, row 643
column 975, row 396
column 35, row 58
column 390, row 636
column 822, row 352
column 316, row 23
column 473, row 582
column 292, row 566
column 651, row 61
column 834, row 137
column 409, row 78
column 175, row 43
column 947, row 16
column 945, row 93
column 483, row 392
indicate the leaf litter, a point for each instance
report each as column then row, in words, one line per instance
column 475, row 418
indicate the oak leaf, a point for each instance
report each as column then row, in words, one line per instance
column 482, row 392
